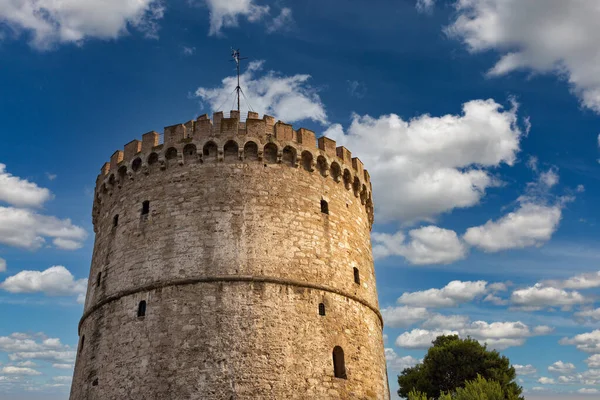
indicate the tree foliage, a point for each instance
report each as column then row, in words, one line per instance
column 450, row 363
column 478, row 389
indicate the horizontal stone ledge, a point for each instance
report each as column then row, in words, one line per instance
column 226, row 278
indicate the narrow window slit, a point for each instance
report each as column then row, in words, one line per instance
column 356, row 276
column 115, row 220
column 321, row 309
column 324, row 207
column 142, row 309
column 146, row 207
column 98, row 278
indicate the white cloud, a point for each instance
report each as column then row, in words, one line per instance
column 530, row 225
column 582, row 281
column 593, row 361
column 29, row 364
column 553, row 36
column 587, row 391
column 425, row 5
column 63, row 366
column 50, row 22
column 289, row 98
column 496, row 300
column 591, row 314
column 525, row 369
column 587, row 342
column 497, row 335
column 546, row 381
column 21, row 192
column 549, row 178
column 226, row 13
column 430, row 165
column 26, row 347
column 538, row 296
column 62, row 378
column 2, row 265
column 55, row 281
column 497, row 287
column 580, row 189
column 398, row 364
column 66, row 244
column 561, row 368
column 420, row 338
column 427, row 245
column 20, row 371
column 397, row 317
column 27, row 229
column 453, row 294
column 282, row 21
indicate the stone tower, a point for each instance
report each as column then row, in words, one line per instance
column 232, row 261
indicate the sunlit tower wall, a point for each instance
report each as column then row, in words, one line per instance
column 232, row 260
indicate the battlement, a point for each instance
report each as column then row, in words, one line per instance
column 226, row 138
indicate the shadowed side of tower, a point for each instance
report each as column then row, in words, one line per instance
column 232, row 261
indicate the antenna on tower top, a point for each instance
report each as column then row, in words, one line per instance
column 236, row 57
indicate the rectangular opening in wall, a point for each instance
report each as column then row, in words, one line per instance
column 115, row 220
column 356, row 276
column 145, row 207
column 324, row 207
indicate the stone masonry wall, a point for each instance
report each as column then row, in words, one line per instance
column 233, row 259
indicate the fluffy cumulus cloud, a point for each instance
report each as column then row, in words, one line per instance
column 552, row 36
column 581, row 281
column 593, row 314
column 398, row 364
column 497, row 335
column 431, row 165
column 561, row 368
column 397, row 317
column 525, row 369
column 289, row 98
column 226, row 13
column 426, row 245
column 539, row 296
column 420, row 338
column 21, row 192
column 588, row 342
column 55, row 281
column 10, row 370
column 593, row 361
column 530, row 225
column 453, row 294
column 49, row 22
column 27, row 229
column 23, row 347
column 546, row 381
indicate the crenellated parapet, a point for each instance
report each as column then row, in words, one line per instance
column 229, row 140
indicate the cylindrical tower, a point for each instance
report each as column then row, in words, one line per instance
column 232, row 261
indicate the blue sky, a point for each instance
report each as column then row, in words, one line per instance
column 477, row 119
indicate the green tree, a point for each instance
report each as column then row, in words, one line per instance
column 451, row 362
column 478, row 389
